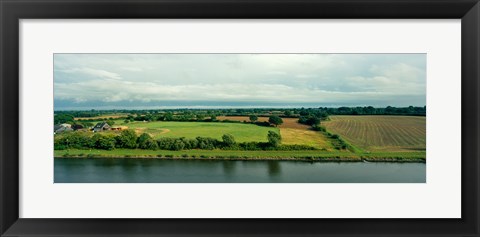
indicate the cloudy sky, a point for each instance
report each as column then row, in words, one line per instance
column 107, row 81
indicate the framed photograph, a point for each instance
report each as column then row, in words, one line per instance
column 239, row 118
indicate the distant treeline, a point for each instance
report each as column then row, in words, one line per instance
column 294, row 112
column 128, row 139
column 309, row 116
column 369, row 110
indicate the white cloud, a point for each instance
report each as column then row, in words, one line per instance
column 226, row 92
column 94, row 72
column 303, row 78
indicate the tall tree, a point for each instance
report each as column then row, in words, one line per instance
column 275, row 120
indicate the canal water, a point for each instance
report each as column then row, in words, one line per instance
column 129, row 170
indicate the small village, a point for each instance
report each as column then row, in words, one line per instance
column 99, row 127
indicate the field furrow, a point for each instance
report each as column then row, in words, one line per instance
column 381, row 133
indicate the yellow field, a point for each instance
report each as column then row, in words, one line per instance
column 381, row 133
column 293, row 132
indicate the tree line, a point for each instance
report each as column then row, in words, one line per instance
column 128, row 139
column 370, row 110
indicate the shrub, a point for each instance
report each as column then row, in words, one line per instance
column 309, row 120
column 294, row 147
column 274, row 139
column 57, row 146
column 105, row 142
column 165, row 143
column 77, row 140
column 207, row 143
column 319, row 128
column 191, row 143
column 145, row 141
column 228, row 140
column 150, row 144
column 252, row 146
column 339, row 143
column 142, row 138
column 127, row 139
column 175, row 144
column 178, row 144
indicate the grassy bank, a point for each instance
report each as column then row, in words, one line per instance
column 244, row 155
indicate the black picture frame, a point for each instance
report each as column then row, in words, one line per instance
column 12, row 11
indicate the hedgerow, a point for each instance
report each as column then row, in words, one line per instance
column 129, row 140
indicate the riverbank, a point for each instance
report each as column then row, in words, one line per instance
column 325, row 156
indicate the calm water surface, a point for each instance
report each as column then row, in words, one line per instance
column 98, row 170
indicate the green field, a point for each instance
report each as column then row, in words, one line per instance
column 241, row 132
column 381, row 133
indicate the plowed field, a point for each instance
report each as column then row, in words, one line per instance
column 381, row 133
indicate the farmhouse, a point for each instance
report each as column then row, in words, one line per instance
column 64, row 127
column 101, row 127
